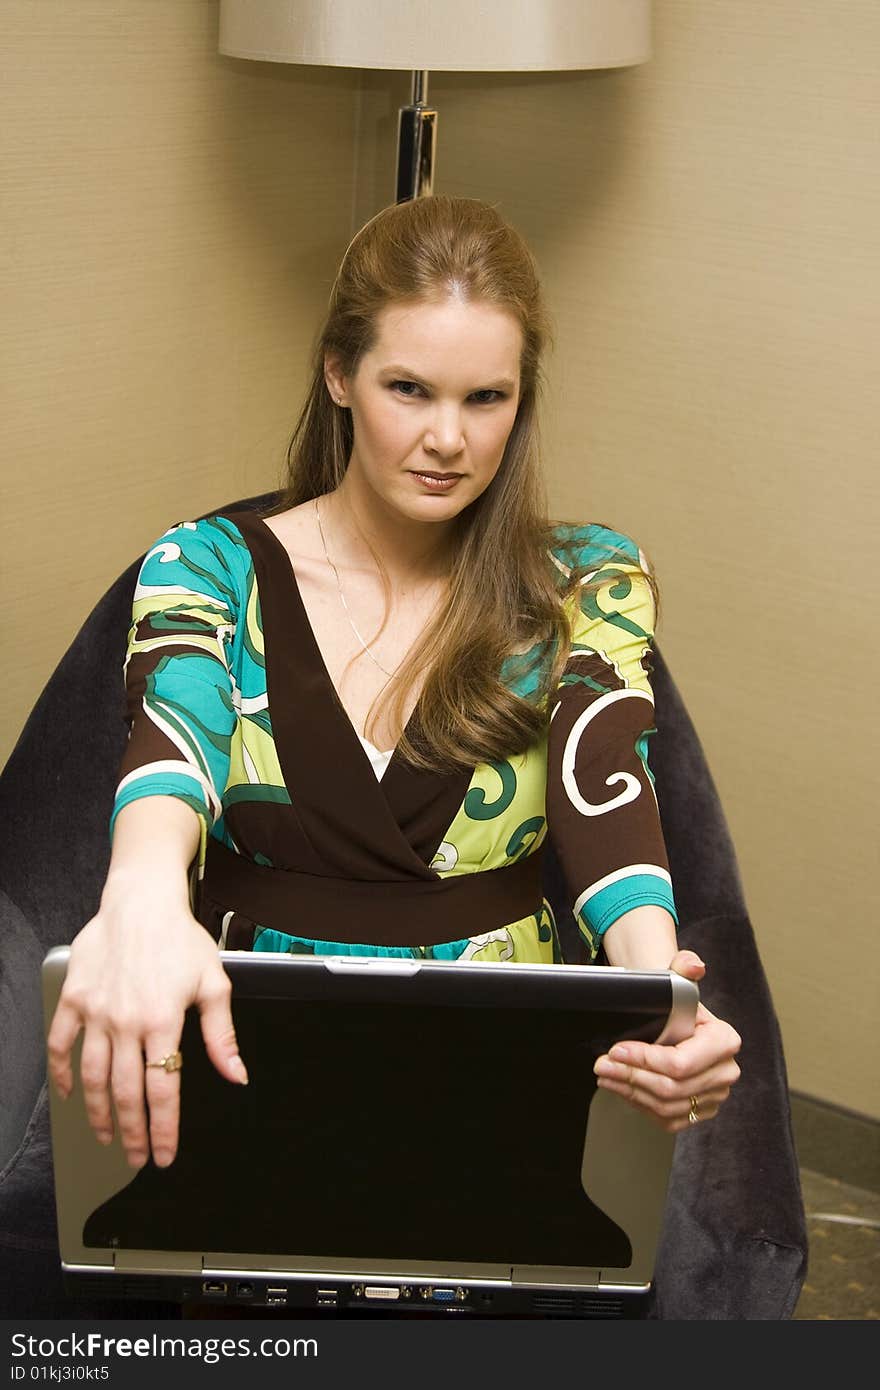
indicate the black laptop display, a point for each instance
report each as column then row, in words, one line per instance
column 414, row 1135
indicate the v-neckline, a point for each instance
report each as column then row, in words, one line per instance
column 303, row 612
column 392, row 826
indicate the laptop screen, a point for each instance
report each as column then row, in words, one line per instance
column 432, row 1115
column 398, row 1125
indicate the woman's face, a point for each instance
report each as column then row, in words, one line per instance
column 432, row 406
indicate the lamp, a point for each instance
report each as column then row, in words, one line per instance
column 443, row 35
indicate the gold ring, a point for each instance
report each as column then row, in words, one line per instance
column 173, row 1062
column 692, row 1113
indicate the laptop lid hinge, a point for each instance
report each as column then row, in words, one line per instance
column 564, row 1276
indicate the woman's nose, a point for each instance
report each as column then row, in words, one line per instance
column 444, row 434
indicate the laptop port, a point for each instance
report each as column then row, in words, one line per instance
column 388, row 1291
column 275, row 1297
column 244, row 1290
column 326, row 1298
column 215, row 1287
column 443, row 1295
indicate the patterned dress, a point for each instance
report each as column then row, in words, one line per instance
column 303, row 849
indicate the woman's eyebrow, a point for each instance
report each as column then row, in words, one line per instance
column 501, row 384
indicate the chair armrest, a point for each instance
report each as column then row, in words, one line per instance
column 22, row 1046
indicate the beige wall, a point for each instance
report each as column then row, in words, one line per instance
column 709, row 230
column 707, row 225
column 171, row 226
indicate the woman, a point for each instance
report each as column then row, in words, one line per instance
column 359, row 717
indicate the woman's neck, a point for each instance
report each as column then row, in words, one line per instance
column 412, row 554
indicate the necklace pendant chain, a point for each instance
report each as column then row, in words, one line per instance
column 351, row 622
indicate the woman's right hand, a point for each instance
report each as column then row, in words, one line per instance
column 134, row 969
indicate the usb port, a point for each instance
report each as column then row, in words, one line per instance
column 275, row 1296
column 386, row 1291
column 214, row 1286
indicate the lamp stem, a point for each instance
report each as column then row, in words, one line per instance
column 416, row 130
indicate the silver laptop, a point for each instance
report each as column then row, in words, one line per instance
column 416, row 1136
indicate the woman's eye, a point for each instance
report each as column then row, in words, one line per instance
column 409, row 389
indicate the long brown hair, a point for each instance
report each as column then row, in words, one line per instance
column 504, row 593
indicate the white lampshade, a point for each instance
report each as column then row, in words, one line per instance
column 440, row 35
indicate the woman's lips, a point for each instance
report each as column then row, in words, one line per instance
column 437, row 482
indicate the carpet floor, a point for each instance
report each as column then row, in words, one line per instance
column 843, row 1274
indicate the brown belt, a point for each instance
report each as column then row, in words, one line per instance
column 387, row 912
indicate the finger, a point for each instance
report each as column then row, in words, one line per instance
column 705, row 1111
column 218, row 1030
column 713, row 1041
column 672, row 1123
column 127, row 1084
column 673, row 1117
column 95, row 1064
column 62, row 1034
column 671, row 1107
column 688, row 964
column 163, row 1095
column 670, row 1090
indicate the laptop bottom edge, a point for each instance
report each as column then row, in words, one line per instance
column 244, row 1293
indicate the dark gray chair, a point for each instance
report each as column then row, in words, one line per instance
column 734, row 1241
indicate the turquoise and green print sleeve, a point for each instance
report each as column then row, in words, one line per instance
column 182, row 694
column 602, row 806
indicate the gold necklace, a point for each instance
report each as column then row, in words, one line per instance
column 351, row 621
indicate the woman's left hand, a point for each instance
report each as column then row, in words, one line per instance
column 682, row 1084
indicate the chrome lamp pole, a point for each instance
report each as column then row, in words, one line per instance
column 416, row 131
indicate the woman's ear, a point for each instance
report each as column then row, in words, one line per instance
column 335, row 379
